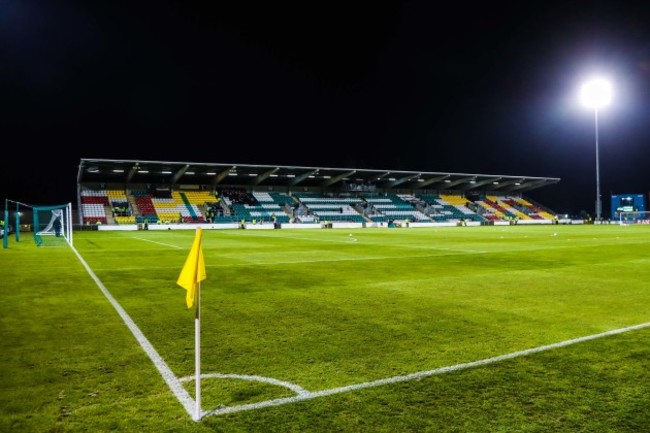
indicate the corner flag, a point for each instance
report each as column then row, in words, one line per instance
column 192, row 274
column 193, row 271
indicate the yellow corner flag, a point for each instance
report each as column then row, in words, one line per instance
column 193, row 271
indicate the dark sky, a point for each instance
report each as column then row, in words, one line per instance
column 473, row 87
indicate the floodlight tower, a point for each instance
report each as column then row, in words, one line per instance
column 596, row 93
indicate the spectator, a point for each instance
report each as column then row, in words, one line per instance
column 57, row 226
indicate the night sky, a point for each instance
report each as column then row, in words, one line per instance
column 472, row 87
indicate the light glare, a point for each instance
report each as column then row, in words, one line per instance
column 596, row 93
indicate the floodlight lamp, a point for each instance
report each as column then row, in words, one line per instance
column 596, row 93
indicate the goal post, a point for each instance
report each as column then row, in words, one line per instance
column 5, row 227
column 10, row 220
column 52, row 225
column 634, row 217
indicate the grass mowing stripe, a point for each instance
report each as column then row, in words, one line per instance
column 299, row 262
column 346, row 240
column 524, row 293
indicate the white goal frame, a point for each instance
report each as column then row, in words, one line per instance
column 59, row 223
column 634, row 217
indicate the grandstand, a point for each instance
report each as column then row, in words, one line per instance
column 129, row 192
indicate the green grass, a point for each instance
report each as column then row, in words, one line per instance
column 319, row 310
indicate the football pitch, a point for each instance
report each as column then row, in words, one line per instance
column 450, row 329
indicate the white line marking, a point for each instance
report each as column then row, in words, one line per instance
column 158, row 243
column 188, row 402
column 170, row 378
column 418, row 375
column 295, row 388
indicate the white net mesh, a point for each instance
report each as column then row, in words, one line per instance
column 53, row 225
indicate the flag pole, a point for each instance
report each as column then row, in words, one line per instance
column 197, row 354
column 192, row 274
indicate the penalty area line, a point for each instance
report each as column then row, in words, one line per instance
column 413, row 376
column 158, row 243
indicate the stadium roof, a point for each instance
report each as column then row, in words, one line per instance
column 252, row 176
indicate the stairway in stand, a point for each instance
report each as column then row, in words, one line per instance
column 108, row 211
column 133, row 205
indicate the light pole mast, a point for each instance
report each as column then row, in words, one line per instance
column 599, row 204
column 595, row 94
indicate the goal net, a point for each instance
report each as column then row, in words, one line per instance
column 634, row 217
column 53, row 225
